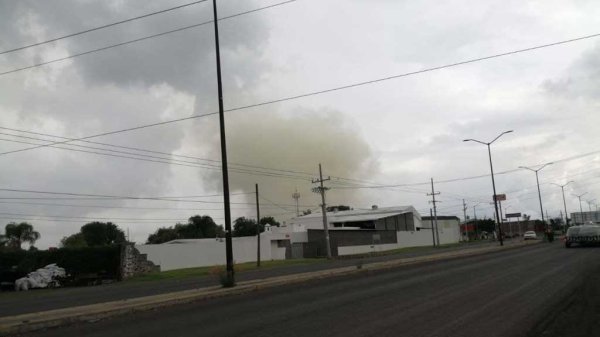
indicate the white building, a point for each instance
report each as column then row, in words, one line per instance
column 351, row 232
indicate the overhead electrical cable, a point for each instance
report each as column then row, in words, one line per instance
column 319, row 92
column 99, row 27
column 138, row 39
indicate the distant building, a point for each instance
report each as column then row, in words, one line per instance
column 371, row 230
column 579, row 218
column 350, row 231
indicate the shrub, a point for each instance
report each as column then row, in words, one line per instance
column 102, row 261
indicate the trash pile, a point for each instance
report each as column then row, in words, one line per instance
column 47, row 277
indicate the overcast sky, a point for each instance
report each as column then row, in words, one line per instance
column 398, row 132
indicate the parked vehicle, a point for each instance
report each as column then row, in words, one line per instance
column 585, row 235
column 529, row 235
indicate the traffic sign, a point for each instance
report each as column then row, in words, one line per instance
column 500, row 197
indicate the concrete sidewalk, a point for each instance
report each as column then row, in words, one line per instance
column 58, row 317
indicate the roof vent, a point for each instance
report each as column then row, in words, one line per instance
column 374, row 207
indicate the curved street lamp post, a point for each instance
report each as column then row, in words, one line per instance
column 493, row 182
column 538, row 187
column 562, row 187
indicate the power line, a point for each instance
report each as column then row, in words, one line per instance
column 125, row 207
column 141, row 150
column 157, row 160
column 111, row 196
column 139, row 39
column 83, row 220
column 318, row 92
column 101, row 27
column 124, row 197
column 89, row 218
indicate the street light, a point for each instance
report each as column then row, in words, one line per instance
column 580, row 208
column 493, row 182
column 538, row 187
column 589, row 202
column 562, row 187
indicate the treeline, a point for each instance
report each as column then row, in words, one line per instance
column 202, row 227
column 97, row 234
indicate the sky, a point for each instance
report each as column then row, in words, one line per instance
column 380, row 143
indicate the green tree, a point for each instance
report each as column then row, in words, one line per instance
column 18, row 233
column 163, row 234
column 197, row 227
column 268, row 220
column 102, row 234
column 73, row 241
column 244, row 227
column 3, row 242
column 247, row 227
column 338, row 208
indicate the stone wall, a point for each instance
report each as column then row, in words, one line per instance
column 134, row 263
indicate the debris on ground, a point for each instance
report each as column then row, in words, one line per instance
column 47, row 277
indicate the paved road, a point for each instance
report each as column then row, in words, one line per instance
column 40, row 300
column 498, row 294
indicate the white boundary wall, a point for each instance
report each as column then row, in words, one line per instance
column 210, row 252
column 419, row 238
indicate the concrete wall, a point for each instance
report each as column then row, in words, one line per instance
column 449, row 230
column 348, row 237
column 210, row 252
column 352, row 250
column 419, row 238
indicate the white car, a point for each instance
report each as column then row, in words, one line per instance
column 529, row 235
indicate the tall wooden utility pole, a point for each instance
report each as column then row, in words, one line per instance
column 257, row 228
column 434, row 202
column 227, row 210
column 466, row 225
column 321, row 189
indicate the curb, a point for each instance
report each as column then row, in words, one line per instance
column 93, row 312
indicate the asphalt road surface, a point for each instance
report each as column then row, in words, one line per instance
column 499, row 294
column 46, row 299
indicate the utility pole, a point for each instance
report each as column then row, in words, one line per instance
column 475, row 221
column 296, row 196
column 466, row 225
column 562, row 187
column 321, row 189
column 580, row 208
column 224, row 169
column 501, row 217
column 561, row 216
column 257, row 228
column 432, row 229
column 434, row 202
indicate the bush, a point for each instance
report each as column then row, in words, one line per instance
column 78, row 262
